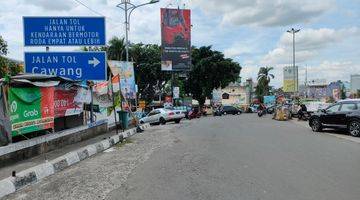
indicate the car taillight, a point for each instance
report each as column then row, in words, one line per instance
column 171, row 113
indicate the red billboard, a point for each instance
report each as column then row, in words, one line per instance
column 175, row 39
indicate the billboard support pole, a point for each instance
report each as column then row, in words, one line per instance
column 113, row 101
column 5, row 90
column 91, row 104
column 172, row 88
column 293, row 32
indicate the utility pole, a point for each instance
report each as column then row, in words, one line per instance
column 296, row 81
column 128, row 8
column 306, row 80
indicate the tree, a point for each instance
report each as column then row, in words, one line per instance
column 7, row 66
column 210, row 70
column 116, row 49
column 148, row 75
column 3, row 47
column 264, row 78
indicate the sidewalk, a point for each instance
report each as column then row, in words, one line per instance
column 33, row 170
column 25, row 164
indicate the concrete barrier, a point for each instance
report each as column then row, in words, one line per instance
column 34, row 174
column 40, row 145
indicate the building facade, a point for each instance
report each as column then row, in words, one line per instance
column 354, row 83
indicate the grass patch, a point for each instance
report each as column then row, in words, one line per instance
column 124, row 142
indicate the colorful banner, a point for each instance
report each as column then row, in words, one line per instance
column 269, row 100
column 64, row 103
column 175, row 39
column 127, row 77
column 31, row 109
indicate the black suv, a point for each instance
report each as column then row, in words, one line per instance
column 344, row 114
column 230, row 110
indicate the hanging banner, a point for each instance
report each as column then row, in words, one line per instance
column 4, row 121
column 31, row 109
column 175, row 39
column 127, row 77
column 101, row 88
column 116, row 83
column 83, row 96
column 269, row 100
column 64, row 103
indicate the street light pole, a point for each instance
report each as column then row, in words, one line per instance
column 128, row 8
column 293, row 32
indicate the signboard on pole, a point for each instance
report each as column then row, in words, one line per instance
column 31, row 109
column 74, row 65
column 64, row 31
column 176, row 92
column 290, row 79
column 127, row 77
column 175, row 39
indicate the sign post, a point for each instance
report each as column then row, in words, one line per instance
column 74, row 65
column 64, row 31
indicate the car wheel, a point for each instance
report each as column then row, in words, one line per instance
column 238, row 112
column 177, row 121
column 225, row 113
column 354, row 128
column 316, row 125
column 162, row 121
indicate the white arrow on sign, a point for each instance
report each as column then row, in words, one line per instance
column 94, row 62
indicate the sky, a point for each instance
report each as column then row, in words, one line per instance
column 251, row 32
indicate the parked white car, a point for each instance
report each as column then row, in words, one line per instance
column 161, row 116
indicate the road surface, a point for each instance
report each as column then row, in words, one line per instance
column 230, row 157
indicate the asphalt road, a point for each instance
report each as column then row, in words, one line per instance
column 230, row 157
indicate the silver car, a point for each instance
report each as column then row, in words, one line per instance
column 162, row 115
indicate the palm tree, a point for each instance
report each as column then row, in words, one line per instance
column 116, row 49
column 264, row 78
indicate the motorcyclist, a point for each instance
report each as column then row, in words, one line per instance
column 302, row 111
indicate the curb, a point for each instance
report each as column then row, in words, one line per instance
column 36, row 173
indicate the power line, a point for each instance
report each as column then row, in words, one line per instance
column 92, row 10
column 96, row 12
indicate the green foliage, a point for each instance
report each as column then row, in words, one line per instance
column 264, row 78
column 116, row 49
column 148, row 74
column 210, row 70
column 7, row 67
column 3, row 47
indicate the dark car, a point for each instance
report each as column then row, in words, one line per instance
column 231, row 110
column 342, row 115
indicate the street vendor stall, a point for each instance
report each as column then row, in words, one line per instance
column 33, row 103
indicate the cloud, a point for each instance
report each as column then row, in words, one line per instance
column 309, row 43
column 58, row 5
column 265, row 12
column 334, row 70
column 236, row 51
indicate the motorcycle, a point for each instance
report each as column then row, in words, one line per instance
column 262, row 113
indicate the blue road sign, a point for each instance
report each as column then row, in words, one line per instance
column 64, row 31
column 74, row 65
